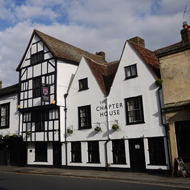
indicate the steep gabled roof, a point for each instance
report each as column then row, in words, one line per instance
column 63, row 50
column 149, row 58
column 104, row 73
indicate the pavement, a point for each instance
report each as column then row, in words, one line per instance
column 153, row 179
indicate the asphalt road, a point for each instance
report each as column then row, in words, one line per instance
column 13, row 181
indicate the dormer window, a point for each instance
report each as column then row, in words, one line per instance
column 131, row 71
column 83, row 84
column 37, row 57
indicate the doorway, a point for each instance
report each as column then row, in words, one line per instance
column 137, row 157
column 57, row 155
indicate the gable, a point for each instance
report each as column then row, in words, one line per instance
column 35, row 51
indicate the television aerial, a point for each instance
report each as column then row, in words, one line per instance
column 185, row 11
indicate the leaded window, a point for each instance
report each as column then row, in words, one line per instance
column 84, row 113
column 134, row 110
column 156, row 151
column 4, row 114
column 118, row 152
column 37, row 57
column 76, row 151
column 83, row 84
column 130, row 71
column 37, row 87
column 41, row 152
column 93, row 152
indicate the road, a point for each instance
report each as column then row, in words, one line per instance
column 13, row 181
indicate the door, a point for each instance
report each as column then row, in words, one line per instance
column 137, row 158
column 183, row 140
column 57, row 155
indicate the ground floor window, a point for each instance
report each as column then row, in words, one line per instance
column 157, row 151
column 93, row 152
column 76, row 151
column 118, row 152
column 40, row 152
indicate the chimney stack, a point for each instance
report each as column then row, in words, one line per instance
column 102, row 54
column 139, row 41
column 185, row 33
column 0, row 84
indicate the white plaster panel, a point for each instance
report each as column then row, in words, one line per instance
column 37, row 70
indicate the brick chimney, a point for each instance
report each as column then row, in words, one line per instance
column 102, row 54
column 0, row 84
column 139, row 41
column 185, row 33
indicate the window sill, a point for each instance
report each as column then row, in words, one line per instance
column 157, row 164
column 93, row 162
column 75, row 162
column 6, row 127
column 83, row 128
column 135, row 123
column 131, row 77
column 118, row 164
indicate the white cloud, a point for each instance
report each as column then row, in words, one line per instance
column 93, row 25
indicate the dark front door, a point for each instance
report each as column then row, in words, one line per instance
column 57, row 155
column 183, row 140
column 137, row 159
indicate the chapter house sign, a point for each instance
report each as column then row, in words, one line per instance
column 111, row 109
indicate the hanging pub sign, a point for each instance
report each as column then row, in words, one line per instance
column 45, row 93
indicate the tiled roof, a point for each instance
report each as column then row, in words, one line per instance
column 9, row 90
column 149, row 58
column 66, row 51
column 63, row 50
column 174, row 48
column 104, row 73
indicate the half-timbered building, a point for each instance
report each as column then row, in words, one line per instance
column 45, row 72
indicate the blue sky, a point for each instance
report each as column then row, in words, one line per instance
column 93, row 25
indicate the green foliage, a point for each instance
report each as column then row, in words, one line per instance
column 97, row 129
column 115, row 127
column 69, row 131
column 158, row 82
column 6, row 136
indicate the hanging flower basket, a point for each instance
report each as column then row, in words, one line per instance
column 69, row 131
column 97, row 129
column 6, row 136
column 14, row 135
column 1, row 136
column 158, row 82
column 115, row 127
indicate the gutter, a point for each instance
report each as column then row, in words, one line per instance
column 166, row 127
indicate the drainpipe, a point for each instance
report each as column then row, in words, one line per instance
column 166, row 129
column 66, row 161
column 106, row 143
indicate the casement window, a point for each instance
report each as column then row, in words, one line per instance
column 131, row 71
column 4, row 114
column 39, row 117
column 134, row 110
column 83, row 84
column 93, row 152
column 84, row 114
column 37, row 57
column 156, row 151
column 76, row 151
column 40, row 152
column 118, row 152
column 37, row 87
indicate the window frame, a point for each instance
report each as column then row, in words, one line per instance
column 118, row 150
column 36, row 88
column 41, row 151
column 88, row 117
column 83, row 84
column 7, row 116
column 158, row 148
column 128, row 122
column 76, row 152
column 93, row 152
column 131, row 74
column 37, row 58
